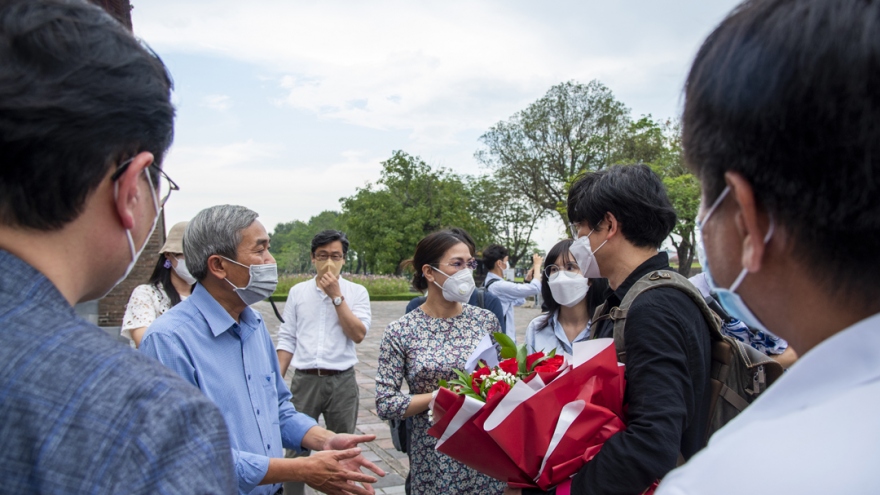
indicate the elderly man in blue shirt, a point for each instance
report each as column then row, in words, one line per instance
column 215, row 341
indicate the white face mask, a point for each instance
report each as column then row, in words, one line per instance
column 183, row 272
column 135, row 254
column 568, row 288
column 262, row 283
column 585, row 257
column 458, row 287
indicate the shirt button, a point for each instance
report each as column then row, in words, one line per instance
column 249, row 377
column 258, row 412
column 268, row 447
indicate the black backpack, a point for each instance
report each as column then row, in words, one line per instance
column 739, row 372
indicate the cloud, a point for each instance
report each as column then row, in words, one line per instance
column 217, row 102
column 435, row 69
column 263, row 177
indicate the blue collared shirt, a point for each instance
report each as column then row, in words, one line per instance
column 235, row 365
column 549, row 336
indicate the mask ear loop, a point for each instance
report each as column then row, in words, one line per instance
column 745, row 271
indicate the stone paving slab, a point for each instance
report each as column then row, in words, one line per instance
column 381, row 451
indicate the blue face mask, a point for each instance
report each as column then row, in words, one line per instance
column 729, row 299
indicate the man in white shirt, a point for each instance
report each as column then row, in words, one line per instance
column 496, row 260
column 323, row 320
column 781, row 117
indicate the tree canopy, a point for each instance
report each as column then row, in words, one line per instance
column 574, row 128
column 386, row 220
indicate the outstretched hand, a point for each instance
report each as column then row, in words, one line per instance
column 330, row 471
column 344, row 442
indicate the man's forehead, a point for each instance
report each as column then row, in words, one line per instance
column 330, row 247
column 254, row 234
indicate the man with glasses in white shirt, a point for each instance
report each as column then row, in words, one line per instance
column 323, row 320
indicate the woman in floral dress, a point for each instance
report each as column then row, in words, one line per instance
column 423, row 347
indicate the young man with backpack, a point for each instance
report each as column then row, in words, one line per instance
column 620, row 216
column 780, row 125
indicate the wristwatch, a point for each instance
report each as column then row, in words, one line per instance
column 338, row 300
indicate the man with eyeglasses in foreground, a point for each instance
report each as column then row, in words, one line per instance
column 323, row 320
column 85, row 120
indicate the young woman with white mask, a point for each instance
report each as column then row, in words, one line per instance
column 567, row 298
column 169, row 284
column 424, row 346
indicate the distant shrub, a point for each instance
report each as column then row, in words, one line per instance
column 376, row 285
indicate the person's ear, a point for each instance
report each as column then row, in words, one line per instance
column 215, row 266
column 613, row 225
column 428, row 273
column 751, row 223
column 128, row 191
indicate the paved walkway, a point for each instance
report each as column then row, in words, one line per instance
column 380, row 451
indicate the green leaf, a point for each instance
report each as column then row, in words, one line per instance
column 508, row 347
column 443, row 383
column 521, row 360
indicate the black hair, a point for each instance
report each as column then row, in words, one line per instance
column 162, row 275
column 493, row 254
column 634, row 194
column 466, row 238
column 429, row 251
column 78, row 95
column 787, row 94
column 325, row 237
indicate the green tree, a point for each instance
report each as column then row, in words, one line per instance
column 572, row 129
column 292, row 241
column 387, row 219
column 510, row 218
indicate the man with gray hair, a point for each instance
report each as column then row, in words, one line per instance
column 215, row 341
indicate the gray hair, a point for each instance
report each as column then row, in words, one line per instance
column 214, row 230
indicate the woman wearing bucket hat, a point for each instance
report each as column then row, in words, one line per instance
column 170, row 283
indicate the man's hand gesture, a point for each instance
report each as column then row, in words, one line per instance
column 329, row 283
column 340, row 466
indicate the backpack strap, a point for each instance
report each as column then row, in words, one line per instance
column 653, row 280
column 481, row 297
column 489, row 283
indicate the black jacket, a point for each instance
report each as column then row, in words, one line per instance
column 667, row 389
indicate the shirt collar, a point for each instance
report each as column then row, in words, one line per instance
column 660, row 261
column 490, row 276
column 218, row 319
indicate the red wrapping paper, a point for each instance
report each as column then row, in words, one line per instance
column 537, row 436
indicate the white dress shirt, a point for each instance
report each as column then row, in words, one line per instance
column 311, row 329
column 511, row 294
column 815, row 430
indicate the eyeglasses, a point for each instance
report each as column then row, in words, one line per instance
column 325, row 257
column 461, row 265
column 165, row 184
column 569, row 266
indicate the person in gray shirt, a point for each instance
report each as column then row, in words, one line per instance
column 85, row 119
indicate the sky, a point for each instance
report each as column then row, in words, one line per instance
column 286, row 106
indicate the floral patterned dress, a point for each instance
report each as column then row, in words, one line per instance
column 422, row 350
column 147, row 302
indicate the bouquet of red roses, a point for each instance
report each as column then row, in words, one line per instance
column 531, row 420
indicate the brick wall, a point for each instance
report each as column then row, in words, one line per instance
column 112, row 307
